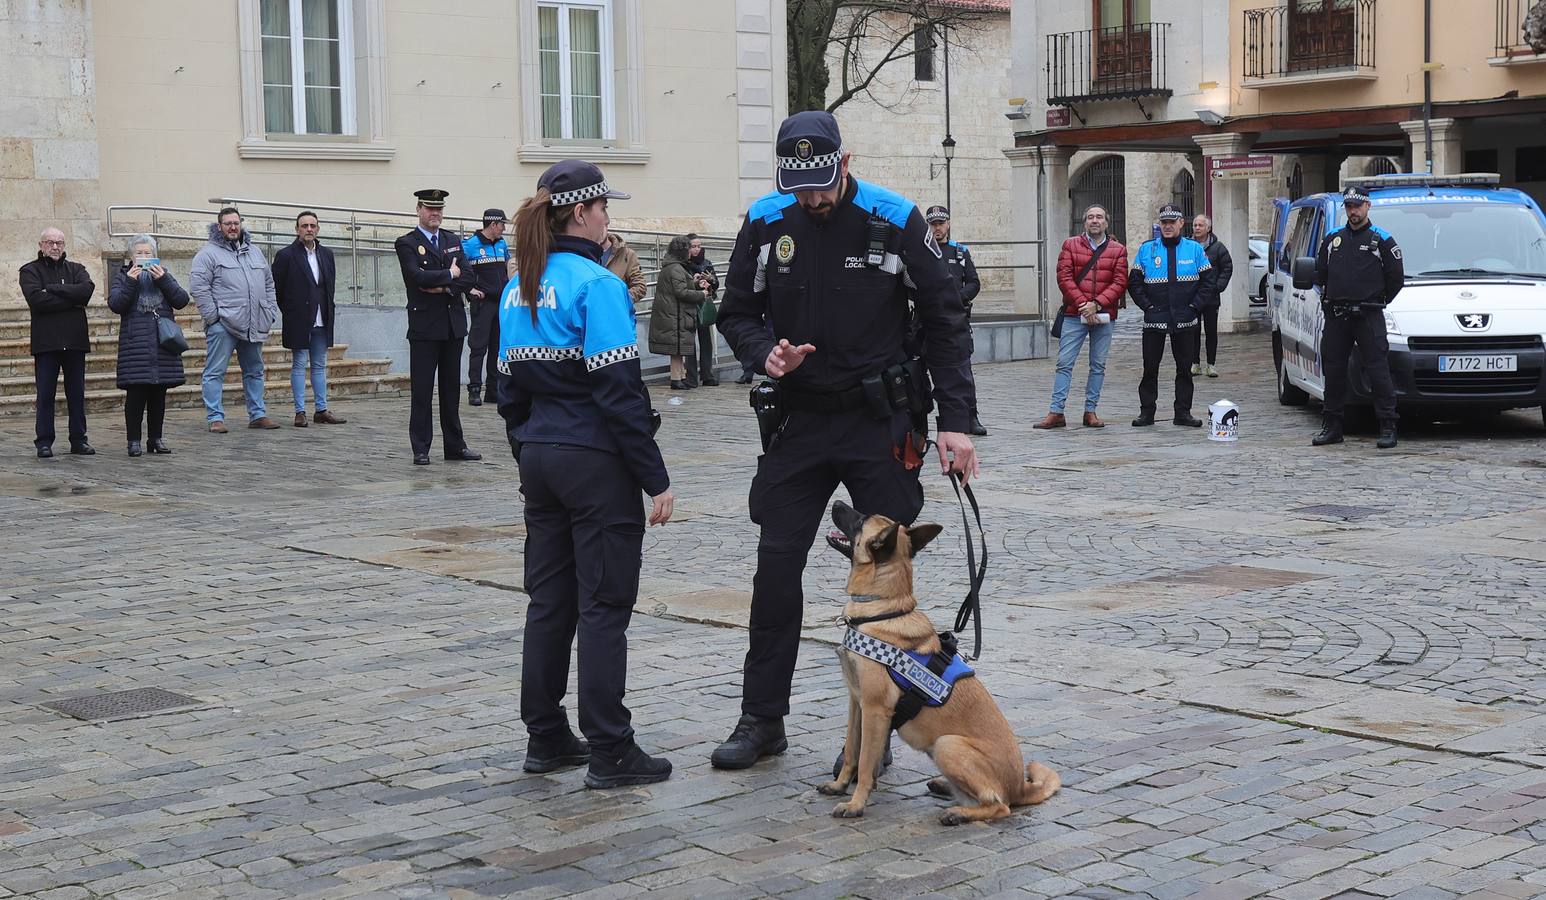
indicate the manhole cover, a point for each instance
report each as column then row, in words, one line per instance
column 1337, row 511
column 118, row 704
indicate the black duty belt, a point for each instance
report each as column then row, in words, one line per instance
column 828, row 402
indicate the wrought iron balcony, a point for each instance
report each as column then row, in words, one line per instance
column 1121, row 63
column 1297, row 38
column 1511, row 41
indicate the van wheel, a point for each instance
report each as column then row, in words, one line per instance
column 1261, row 290
column 1288, row 394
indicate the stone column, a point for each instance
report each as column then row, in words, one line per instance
column 1231, row 223
column 1038, row 184
column 1448, row 152
column 49, row 166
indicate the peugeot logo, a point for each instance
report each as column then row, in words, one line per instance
column 1474, row 321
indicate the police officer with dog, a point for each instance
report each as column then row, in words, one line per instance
column 831, row 261
column 1359, row 271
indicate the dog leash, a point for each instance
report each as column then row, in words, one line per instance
column 977, row 569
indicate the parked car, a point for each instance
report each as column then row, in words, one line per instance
column 1258, row 245
column 1467, row 330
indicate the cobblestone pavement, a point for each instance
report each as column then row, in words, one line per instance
column 1260, row 669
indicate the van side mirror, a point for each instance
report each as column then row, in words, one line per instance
column 1304, row 273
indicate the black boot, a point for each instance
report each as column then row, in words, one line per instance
column 677, row 385
column 753, row 738
column 1387, row 437
column 135, row 449
column 885, row 761
column 474, row 395
column 555, row 753
column 1331, row 432
column 1144, row 420
column 976, row 427
column 624, row 767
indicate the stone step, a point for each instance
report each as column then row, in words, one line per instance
column 273, row 377
column 96, row 326
column 106, row 360
column 17, row 348
column 188, row 396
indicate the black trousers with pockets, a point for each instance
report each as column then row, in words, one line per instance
column 483, row 345
column 790, row 497
column 426, row 360
column 1366, row 332
column 1183, row 349
column 46, row 369
column 584, row 542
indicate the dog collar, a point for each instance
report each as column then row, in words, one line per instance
column 864, row 598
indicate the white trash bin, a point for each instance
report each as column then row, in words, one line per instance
column 1224, row 421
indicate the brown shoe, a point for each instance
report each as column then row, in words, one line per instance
column 1053, row 420
column 1091, row 420
column 323, row 417
column 263, row 422
column 300, row 419
column 218, row 427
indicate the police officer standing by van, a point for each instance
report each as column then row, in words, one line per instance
column 831, row 261
column 1358, row 271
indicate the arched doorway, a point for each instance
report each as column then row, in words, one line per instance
column 1382, row 165
column 1101, row 182
column 1183, row 193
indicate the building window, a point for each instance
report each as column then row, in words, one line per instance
column 923, row 53
column 307, row 66
column 574, row 42
column 1530, row 164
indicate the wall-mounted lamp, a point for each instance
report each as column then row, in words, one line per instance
column 496, row 85
column 1210, row 116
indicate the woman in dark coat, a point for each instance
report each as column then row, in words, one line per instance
column 707, row 281
column 142, row 291
column 674, row 313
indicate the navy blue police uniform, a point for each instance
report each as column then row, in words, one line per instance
column 1359, row 271
column 958, row 261
column 437, row 325
column 486, row 261
column 1170, row 281
column 579, row 421
column 809, row 279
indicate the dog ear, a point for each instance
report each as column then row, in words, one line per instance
column 919, row 536
column 884, row 544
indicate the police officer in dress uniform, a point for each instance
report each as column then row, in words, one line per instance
column 831, row 261
column 437, row 324
column 963, row 271
column 1170, row 281
column 581, row 428
column 1359, row 271
column 486, row 255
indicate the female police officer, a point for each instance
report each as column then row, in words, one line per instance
column 580, row 426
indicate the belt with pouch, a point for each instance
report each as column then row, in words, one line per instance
column 847, row 400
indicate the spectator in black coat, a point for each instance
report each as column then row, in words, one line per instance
column 304, row 275
column 57, row 290
column 706, row 280
column 1224, row 269
column 143, row 291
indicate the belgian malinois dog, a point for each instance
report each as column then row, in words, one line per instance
column 967, row 737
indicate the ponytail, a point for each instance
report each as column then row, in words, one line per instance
column 536, row 223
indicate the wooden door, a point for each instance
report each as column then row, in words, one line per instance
column 1123, row 46
column 1321, row 34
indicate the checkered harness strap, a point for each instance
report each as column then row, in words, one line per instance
column 899, row 661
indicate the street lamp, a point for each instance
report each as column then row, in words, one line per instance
column 948, row 145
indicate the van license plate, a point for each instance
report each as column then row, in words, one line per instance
column 1477, row 362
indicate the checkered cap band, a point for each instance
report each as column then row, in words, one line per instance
column 795, row 163
column 580, row 195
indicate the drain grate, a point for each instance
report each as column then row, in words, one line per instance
column 1338, row 511
column 120, row 704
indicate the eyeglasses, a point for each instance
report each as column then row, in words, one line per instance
column 52, row 243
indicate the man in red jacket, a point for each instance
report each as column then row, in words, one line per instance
column 1092, row 274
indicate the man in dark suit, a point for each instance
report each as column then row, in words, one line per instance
column 303, row 285
column 437, row 325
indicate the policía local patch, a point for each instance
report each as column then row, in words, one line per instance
column 784, row 249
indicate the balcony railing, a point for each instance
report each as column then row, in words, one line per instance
column 1511, row 39
column 1126, row 62
column 1293, row 39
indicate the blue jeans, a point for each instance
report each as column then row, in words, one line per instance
column 314, row 356
column 1074, row 333
column 249, row 355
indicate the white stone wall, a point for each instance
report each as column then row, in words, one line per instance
column 49, row 164
column 894, row 132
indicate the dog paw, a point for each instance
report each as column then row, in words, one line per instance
column 847, row 811
column 951, row 817
column 832, row 788
column 940, row 787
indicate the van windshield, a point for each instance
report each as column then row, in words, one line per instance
column 1470, row 239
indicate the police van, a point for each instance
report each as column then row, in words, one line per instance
column 1465, row 332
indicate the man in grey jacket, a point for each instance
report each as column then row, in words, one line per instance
column 234, row 290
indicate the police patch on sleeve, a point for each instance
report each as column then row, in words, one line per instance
column 1395, row 252
column 928, row 241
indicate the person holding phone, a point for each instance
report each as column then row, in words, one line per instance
column 142, row 292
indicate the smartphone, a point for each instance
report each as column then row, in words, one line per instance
column 147, row 263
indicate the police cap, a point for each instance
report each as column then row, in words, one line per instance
column 809, row 149
column 492, row 215
column 577, row 181
column 1170, row 211
column 432, row 198
column 1354, row 196
column 937, row 214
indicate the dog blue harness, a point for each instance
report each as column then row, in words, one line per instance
column 926, row 679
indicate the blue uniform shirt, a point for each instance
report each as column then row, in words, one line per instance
column 573, row 375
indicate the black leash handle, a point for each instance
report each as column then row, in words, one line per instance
column 976, row 565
